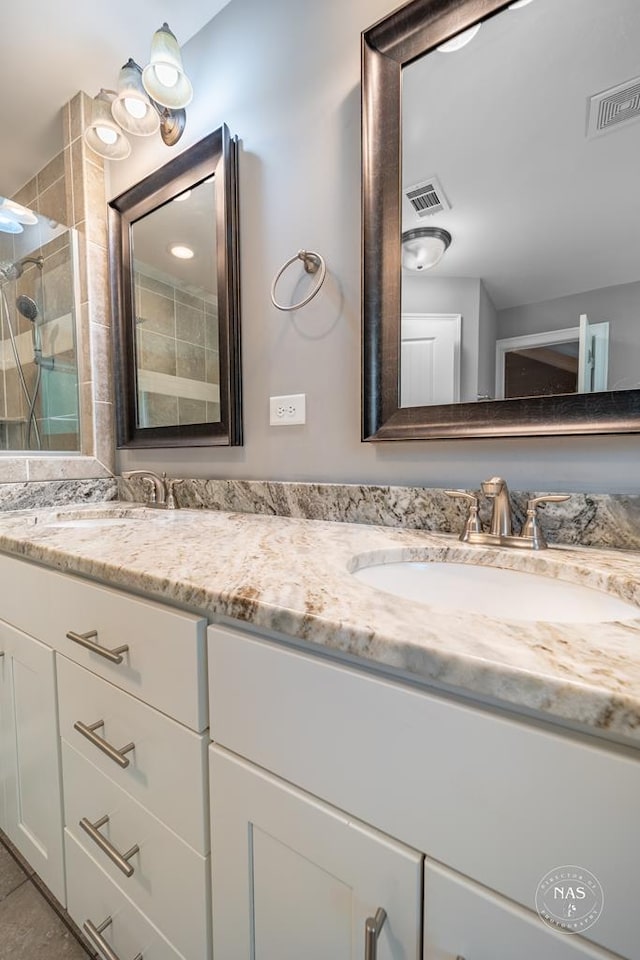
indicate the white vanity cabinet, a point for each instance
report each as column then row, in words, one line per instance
column 30, row 755
column 293, row 877
column 493, row 802
column 111, row 698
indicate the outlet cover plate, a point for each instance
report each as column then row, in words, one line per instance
column 287, row 411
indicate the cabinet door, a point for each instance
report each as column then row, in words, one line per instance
column 294, row 878
column 31, row 755
column 466, row 921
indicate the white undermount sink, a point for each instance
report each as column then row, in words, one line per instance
column 97, row 517
column 496, row 592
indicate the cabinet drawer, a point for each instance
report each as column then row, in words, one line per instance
column 164, row 664
column 166, row 770
column 461, row 919
column 170, row 883
column 93, row 897
column 497, row 799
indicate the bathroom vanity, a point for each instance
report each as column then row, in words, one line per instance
column 285, row 761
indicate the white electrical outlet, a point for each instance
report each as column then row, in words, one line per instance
column 285, row 411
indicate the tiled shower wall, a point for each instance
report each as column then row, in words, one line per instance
column 71, row 190
column 177, row 335
column 52, row 289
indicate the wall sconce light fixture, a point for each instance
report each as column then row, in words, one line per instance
column 147, row 100
column 423, row 247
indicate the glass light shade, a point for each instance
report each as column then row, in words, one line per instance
column 164, row 78
column 9, row 224
column 132, row 109
column 460, row 40
column 18, row 212
column 424, row 247
column 103, row 135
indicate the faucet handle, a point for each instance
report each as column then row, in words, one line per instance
column 170, row 485
column 531, row 527
column 472, row 523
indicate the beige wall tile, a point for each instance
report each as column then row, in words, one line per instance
column 190, row 324
column 190, row 361
column 53, row 203
column 191, row 411
column 156, row 352
column 101, row 362
column 27, row 195
column 156, row 312
column 53, row 171
column 161, row 411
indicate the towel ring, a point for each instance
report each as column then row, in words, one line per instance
column 312, row 263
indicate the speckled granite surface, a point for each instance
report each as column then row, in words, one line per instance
column 293, row 576
column 54, row 493
column 602, row 520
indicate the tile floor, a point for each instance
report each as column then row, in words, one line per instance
column 29, row 927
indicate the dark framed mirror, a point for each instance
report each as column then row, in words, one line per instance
column 174, row 252
column 501, row 287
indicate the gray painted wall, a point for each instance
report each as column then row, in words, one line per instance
column 620, row 305
column 285, row 76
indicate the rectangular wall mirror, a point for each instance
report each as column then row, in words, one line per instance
column 501, row 224
column 174, row 259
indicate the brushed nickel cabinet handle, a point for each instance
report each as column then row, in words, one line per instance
column 120, row 859
column 372, row 928
column 88, row 730
column 95, row 936
column 84, row 639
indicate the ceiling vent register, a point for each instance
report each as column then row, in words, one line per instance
column 614, row 108
column 427, row 197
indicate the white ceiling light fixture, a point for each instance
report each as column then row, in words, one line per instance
column 103, row 135
column 424, row 247
column 22, row 214
column 518, row 4
column 460, row 40
column 9, row 224
column 181, row 251
column 147, row 100
column 182, row 196
column 164, row 78
column 132, row 109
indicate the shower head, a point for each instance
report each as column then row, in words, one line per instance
column 11, row 271
column 27, row 307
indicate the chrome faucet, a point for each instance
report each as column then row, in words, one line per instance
column 500, row 533
column 501, row 522
column 162, row 494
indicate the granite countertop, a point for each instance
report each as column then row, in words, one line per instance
column 293, row 576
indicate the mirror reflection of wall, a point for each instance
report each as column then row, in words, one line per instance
column 175, row 293
column 535, row 181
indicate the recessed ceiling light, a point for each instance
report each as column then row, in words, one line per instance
column 182, row 196
column 460, row 40
column 181, row 251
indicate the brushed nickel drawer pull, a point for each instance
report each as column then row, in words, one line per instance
column 372, row 928
column 120, row 859
column 84, row 639
column 88, row 730
column 95, row 936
